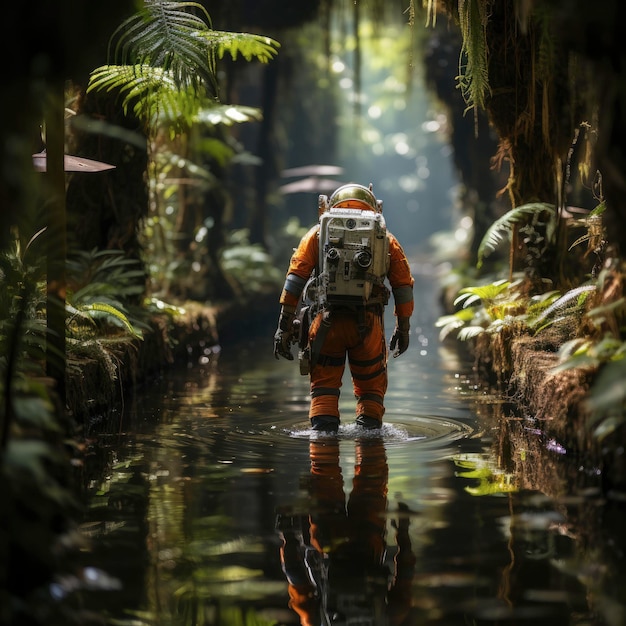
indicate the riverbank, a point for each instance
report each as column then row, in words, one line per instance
column 552, row 412
column 185, row 333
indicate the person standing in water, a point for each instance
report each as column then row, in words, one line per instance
column 340, row 268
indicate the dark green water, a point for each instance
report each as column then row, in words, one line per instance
column 219, row 506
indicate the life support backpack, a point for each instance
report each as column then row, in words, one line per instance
column 353, row 257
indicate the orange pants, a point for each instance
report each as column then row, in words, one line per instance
column 367, row 358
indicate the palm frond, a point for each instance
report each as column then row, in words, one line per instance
column 504, row 226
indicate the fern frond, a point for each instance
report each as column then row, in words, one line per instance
column 450, row 323
column 469, row 332
column 473, row 68
column 163, row 63
column 504, row 226
column 248, row 45
column 168, row 35
column 568, row 303
column 134, row 82
column 485, row 293
column 152, row 93
column 112, row 312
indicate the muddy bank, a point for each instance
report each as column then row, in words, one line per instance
column 550, row 417
column 97, row 384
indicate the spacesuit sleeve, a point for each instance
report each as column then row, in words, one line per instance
column 301, row 266
column 400, row 278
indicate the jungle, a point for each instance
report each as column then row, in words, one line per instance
column 161, row 159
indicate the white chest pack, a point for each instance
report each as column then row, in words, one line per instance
column 353, row 256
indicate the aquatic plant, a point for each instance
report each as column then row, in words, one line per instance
column 489, row 479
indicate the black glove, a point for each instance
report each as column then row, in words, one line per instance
column 285, row 335
column 400, row 337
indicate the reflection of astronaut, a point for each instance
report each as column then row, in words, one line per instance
column 334, row 560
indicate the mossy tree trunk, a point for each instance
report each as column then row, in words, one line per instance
column 535, row 133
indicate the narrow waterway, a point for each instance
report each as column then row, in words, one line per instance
column 220, row 507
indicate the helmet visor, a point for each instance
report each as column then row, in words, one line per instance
column 353, row 196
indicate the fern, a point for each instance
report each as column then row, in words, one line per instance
column 483, row 308
column 95, row 274
column 167, row 35
column 473, row 74
column 249, row 46
column 450, row 323
column 163, row 60
column 570, row 303
column 178, row 37
column 485, row 293
column 469, row 332
column 150, row 92
column 504, row 226
column 108, row 311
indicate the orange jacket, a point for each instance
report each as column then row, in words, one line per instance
column 304, row 261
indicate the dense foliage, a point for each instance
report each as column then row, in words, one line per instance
column 190, row 210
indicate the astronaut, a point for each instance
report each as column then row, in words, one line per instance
column 342, row 265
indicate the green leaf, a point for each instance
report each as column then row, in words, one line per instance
column 608, row 426
column 168, row 35
column 504, row 226
column 570, row 303
column 113, row 313
column 469, row 332
column 608, row 391
column 249, row 46
column 485, row 293
column 36, row 412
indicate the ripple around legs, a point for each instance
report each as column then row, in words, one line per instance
column 424, row 429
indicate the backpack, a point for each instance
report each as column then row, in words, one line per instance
column 353, row 257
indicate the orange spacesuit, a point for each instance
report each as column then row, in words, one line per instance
column 353, row 329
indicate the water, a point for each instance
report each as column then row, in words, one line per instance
column 219, row 506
